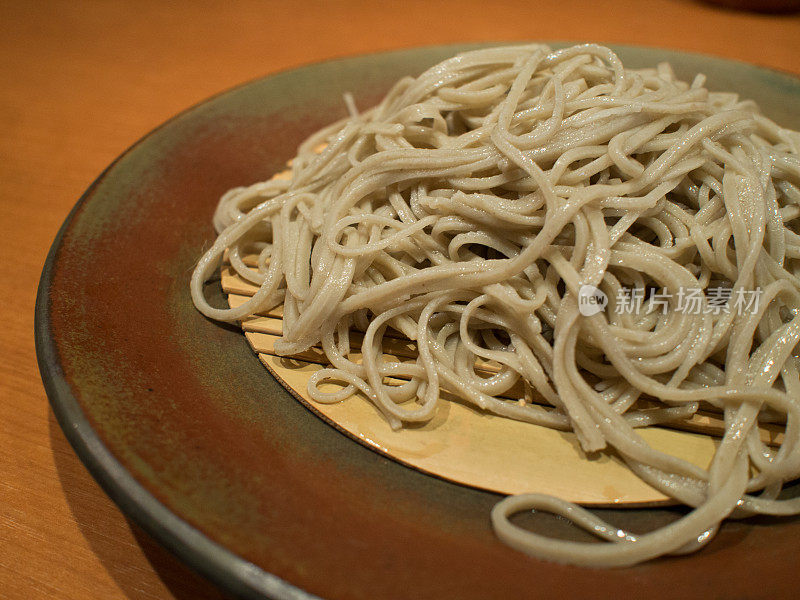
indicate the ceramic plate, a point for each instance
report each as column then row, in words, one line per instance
column 190, row 435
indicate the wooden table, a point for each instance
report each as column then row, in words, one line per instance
column 81, row 81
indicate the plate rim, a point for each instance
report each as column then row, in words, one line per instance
column 223, row 567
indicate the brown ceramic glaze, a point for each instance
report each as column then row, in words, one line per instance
column 186, row 430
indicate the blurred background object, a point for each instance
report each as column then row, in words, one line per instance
column 765, row 6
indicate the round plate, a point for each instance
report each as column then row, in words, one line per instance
column 188, row 433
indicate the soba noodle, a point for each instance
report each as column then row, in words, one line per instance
column 470, row 210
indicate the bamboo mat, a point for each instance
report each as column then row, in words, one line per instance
column 466, row 446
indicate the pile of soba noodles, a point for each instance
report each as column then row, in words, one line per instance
column 466, row 211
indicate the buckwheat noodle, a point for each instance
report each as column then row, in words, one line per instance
column 467, row 210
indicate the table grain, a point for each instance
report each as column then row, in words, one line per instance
column 82, row 81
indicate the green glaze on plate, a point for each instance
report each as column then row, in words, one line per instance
column 190, row 435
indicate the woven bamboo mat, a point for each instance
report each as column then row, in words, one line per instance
column 466, row 446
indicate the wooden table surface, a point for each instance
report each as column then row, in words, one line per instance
column 81, row 81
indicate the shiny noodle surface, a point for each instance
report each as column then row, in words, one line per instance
column 469, row 209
